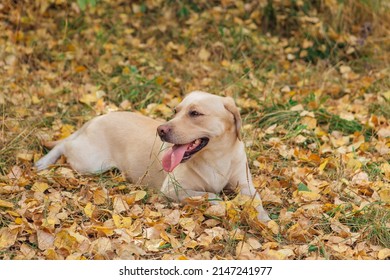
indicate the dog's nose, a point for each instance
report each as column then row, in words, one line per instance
column 163, row 130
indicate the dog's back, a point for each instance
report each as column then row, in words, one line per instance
column 124, row 140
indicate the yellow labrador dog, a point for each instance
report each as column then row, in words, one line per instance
column 200, row 151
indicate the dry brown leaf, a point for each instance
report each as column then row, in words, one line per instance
column 7, row 204
column 204, row 54
column 45, row 240
column 217, row 210
column 100, row 196
column 172, row 218
column 119, row 205
column 384, row 254
column 8, row 236
column 40, row 187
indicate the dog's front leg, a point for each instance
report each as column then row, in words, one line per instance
column 243, row 180
column 172, row 189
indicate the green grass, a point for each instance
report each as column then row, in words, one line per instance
column 133, row 86
column 380, row 109
column 281, row 115
column 374, row 220
column 373, row 170
column 336, row 123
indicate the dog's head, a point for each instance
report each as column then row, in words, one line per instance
column 201, row 121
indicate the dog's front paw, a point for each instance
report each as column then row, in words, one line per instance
column 263, row 217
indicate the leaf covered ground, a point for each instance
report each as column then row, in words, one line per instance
column 311, row 79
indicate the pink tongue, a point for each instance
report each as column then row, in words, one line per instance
column 173, row 157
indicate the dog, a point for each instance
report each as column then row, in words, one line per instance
column 198, row 152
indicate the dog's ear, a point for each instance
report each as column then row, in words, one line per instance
column 230, row 105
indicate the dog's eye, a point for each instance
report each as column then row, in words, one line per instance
column 194, row 113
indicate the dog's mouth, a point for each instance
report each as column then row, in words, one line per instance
column 179, row 153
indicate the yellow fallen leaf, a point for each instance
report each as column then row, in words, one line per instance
column 386, row 94
column 273, row 226
column 4, row 203
column 8, row 237
column 126, row 70
column 307, row 44
column 100, row 196
column 51, row 254
column 310, row 122
column 190, row 243
column 13, row 213
column 345, row 69
column 159, row 80
column 25, row 155
column 88, row 209
column 63, row 240
column 354, row 164
column 286, row 253
column 385, row 195
column 187, row 223
column 173, row 241
column 88, row 99
column 309, row 196
column 80, row 68
column 225, row 63
column 108, row 231
column 40, row 187
column 385, row 168
column 154, row 108
column 297, row 233
column 272, row 255
column 323, row 164
column 121, row 222
column 240, row 200
column 181, row 49
column 204, row 54
column 66, row 130
column 384, row 254
column 138, row 194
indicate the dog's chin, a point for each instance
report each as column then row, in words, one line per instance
column 195, row 147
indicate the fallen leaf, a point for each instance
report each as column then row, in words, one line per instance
column 121, row 222
column 8, row 236
column 384, row 254
column 40, row 187
column 204, row 54
column 172, row 218
column 45, row 240
column 217, row 210
column 119, row 205
column 139, row 195
column 88, row 209
column 7, row 204
column 88, row 99
column 100, row 196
